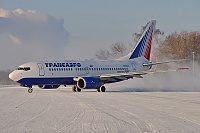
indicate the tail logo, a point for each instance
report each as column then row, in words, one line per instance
column 143, row 47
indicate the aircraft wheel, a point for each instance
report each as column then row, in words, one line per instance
column 30, row 90
column 78, row 89
column 98, row 90
column 74, row 88
column 102, row 88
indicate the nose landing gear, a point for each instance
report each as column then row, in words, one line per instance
column 30, row 90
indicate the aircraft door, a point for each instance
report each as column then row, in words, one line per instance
column 134, row 67
column 87, row 70
column 41, row 69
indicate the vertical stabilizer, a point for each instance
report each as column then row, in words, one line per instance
column 143, row 46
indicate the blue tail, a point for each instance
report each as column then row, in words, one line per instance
column 143, row 46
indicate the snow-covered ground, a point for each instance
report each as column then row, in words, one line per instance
column 88, row 111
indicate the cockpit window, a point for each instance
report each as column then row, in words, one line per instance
column 20, row 68
column 24, row 68
column 27, row 68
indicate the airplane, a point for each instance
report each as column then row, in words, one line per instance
column 89, row 74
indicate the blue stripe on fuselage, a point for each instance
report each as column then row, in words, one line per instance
column 41, row 81
column 56, row 81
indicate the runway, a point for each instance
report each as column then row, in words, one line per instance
column 88, row 111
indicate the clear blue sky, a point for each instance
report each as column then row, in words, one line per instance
column 96, row 24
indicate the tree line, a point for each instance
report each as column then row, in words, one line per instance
column 180, row 46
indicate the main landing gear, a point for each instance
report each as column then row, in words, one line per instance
column 101, row 89
column 30, row 90
column 76, row 89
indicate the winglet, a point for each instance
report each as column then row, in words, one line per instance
column 183, row 68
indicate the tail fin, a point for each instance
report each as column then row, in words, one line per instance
column 143, row 46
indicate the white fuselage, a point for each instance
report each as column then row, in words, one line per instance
column 64, row 72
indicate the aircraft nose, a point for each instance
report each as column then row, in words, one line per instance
column 11, row 76
column 14, row 76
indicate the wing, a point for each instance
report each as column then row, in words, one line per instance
column 116, row 77
column 111, row 78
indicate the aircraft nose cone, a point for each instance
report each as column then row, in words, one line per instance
column 11, row 76
column 14, row 76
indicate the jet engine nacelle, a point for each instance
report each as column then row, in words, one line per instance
column 48, row 86
column 88, row 83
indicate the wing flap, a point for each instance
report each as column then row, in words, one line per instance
column 133, row 74
column 120, row 76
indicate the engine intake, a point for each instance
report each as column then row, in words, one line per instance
column 89, row 83
column 48, row 86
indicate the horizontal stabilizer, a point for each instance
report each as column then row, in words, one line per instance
column 165, row 62
column 168, row 70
